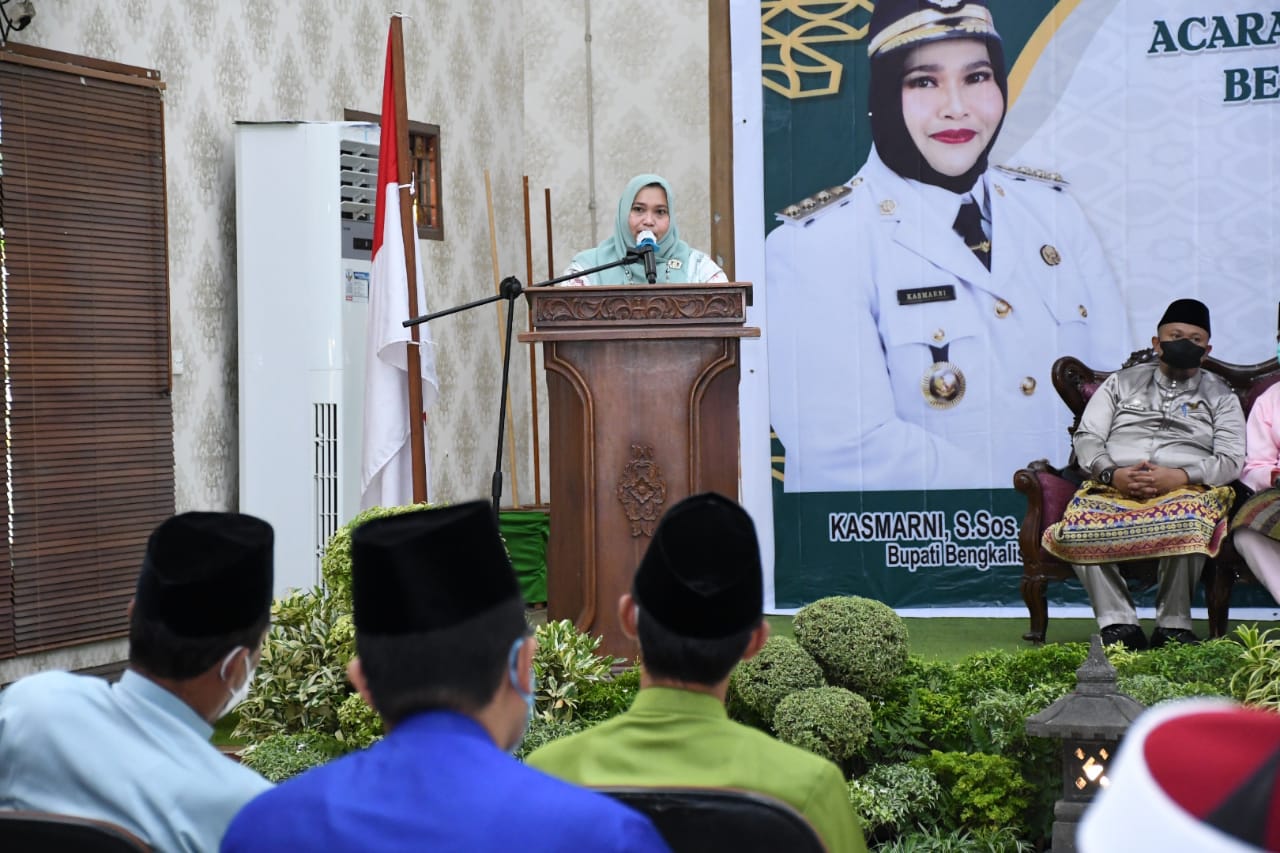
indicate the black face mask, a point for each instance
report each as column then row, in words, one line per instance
column 1182, row 353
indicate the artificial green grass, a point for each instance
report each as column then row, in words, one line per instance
column 952, row 638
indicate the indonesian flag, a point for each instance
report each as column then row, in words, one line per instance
column 386, row 471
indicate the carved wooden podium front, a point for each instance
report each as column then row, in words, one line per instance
column 642, row 384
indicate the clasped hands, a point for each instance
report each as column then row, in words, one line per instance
column 1147, row 480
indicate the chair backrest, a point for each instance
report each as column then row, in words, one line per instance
column 45, row 832
column 699, row 819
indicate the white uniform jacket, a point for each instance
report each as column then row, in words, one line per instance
column 897, row 361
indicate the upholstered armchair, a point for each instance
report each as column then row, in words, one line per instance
column 1049, row 489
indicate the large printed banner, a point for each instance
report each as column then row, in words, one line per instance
column 909, row 369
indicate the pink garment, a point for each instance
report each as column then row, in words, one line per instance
column 1262, row 441
column 1263, row 557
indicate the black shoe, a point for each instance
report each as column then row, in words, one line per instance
column 1162, row 636
column 1129, row 636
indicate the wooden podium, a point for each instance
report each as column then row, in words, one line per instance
column 642, row 382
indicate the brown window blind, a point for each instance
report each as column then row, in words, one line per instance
column 89, row 421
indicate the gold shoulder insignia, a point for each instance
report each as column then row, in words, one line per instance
column 1022, row 173
column 807, row 209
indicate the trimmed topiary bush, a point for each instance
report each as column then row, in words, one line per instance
column 861, row 644
column 758, row 685
column 335, row 565
column 828, row 721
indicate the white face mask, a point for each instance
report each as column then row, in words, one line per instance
column 238, row 694
column 513, row 676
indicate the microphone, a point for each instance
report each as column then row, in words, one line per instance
column 646, row 245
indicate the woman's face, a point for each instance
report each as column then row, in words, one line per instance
column 649, row 213
column 951, row 103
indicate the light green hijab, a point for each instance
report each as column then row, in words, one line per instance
column 670, row 247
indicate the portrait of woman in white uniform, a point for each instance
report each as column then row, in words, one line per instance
column 914, row 313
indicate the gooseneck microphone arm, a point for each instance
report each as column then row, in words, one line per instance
column 509, row 288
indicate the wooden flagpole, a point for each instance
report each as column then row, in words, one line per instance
column 409, row 237
column 493, row 259
column 533, row 353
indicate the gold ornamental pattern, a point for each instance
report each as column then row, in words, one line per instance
column 792, row 32
column 642, row 490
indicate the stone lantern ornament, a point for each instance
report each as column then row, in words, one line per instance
column 1090, row 723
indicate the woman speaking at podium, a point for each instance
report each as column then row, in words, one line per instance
column 645, row 206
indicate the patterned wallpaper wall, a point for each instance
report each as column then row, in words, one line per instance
column 507, row 83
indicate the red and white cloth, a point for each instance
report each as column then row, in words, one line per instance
column 386, row 471
column 1195, row 775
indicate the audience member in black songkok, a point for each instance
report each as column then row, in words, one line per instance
column 136, row 753
column 696, row 606
column 447, row 660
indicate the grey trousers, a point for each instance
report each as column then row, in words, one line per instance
column 1112, row 604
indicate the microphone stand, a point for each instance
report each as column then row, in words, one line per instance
column 509, row 288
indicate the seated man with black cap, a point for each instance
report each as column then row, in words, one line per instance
column 696, row 606
column 1162, row 441
column 446, row 658
column 136, row 753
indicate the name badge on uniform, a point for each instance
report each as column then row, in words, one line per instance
column 921, row 295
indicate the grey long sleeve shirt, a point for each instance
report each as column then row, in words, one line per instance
column 1139, row 414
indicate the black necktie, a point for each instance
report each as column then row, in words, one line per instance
column 969, row 226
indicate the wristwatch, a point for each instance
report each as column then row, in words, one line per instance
column 1104, row 477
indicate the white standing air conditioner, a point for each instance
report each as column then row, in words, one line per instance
column 305, row 196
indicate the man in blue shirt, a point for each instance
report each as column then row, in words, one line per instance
column 446, row 658
column 136, row 753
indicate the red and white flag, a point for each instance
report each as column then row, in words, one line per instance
column 386, row 471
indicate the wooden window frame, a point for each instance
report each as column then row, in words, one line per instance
column 89, row 470
column 424, row 157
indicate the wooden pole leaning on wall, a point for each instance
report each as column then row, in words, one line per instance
column 551, row 264
column 409, row 237
column 533, row 353
column 497, row 288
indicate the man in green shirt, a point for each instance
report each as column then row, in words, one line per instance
column 696, row 606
